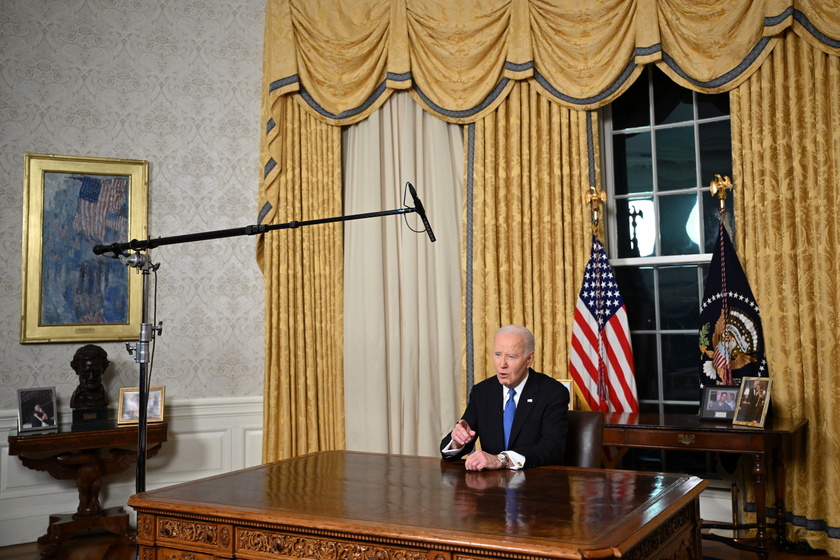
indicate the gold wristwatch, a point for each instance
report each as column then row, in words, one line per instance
column 503, row 459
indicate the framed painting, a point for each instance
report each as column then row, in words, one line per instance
column 36, row 410
column 70, row 204
column 129, row 405
column 719, row 402
column 753, row 401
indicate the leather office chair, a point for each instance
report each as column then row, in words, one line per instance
column 585, row 439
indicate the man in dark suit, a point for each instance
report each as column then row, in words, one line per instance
column 537, row 435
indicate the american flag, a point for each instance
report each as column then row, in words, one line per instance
column 602, row 358
column 101, row 207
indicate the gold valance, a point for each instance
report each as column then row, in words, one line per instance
column 459, row 58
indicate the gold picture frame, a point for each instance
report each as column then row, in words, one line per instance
column 570, row 385
column 70, row 204
column 753, row 401
column 129, row 405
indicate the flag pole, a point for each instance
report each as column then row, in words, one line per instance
column 721, row 360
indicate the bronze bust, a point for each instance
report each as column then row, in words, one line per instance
column 89, row 362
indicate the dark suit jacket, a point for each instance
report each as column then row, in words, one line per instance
column 539, row 427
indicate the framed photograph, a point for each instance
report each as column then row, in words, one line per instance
column 570, row 385
column 753, row 401
column 129, row 406
column 719, row 402
column 71, row 204
column 36, row 410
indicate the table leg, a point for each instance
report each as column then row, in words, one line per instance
column 760, row 488
column 782, row 541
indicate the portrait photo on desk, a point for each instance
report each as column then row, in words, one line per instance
column 753, row 401
column 129, row 405
column 719, row 402
column 36, row 409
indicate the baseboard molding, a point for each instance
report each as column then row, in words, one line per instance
column 206, row 437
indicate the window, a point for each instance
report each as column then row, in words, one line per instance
column 663, row 144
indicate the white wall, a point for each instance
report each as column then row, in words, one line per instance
column 206, row 437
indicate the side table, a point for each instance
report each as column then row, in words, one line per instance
column 86, row 457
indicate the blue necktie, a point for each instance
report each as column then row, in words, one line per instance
column 510, row 411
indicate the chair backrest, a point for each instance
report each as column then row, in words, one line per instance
column 585, row 439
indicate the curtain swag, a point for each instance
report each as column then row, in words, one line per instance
column 459, row 58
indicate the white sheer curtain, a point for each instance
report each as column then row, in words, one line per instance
column 402, row 293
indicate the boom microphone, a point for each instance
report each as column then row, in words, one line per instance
column 418, row 207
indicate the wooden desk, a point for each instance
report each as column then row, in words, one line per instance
column 687, row 432
column 365, row 506
column 81, row 456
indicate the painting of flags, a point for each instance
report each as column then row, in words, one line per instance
column 730, row 338
column 102, row 209
column 601, row 360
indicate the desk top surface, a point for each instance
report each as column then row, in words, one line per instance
column 391, row 495
column 692, row 422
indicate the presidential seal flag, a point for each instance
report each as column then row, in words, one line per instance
column 731, row 341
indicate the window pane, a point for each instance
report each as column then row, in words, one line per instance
column 679, row 225
column 715, row 150
column 712, row 105
column 681, row 367
column 671, row 103
column 633, row 163
column 636, row 287
column 679, row 297
column 635, row 227
column 645, row 362
column 632, row 108
column 675, row 166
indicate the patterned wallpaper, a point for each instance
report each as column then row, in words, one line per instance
column 173, row 82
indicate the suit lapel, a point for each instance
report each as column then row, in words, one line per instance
column 525, row 406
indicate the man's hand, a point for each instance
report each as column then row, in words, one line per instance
column 482, row 461
column 462, row 434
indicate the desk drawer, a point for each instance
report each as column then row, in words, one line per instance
column 674, row 439
column 199, row 536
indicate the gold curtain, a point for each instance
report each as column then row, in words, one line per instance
column 786, row 161
column 529, row 233
column 303, row 268
column 459, row 57
column 334, row 62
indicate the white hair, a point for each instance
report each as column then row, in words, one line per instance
column 519, row 330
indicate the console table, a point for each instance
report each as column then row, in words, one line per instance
column 688, row 432
column 85, row 457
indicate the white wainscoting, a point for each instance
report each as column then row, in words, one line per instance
column 206, row 437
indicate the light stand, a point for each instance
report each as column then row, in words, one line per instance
column 144, row 264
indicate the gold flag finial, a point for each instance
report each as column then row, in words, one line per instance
column 718, row 187
column 595, row 198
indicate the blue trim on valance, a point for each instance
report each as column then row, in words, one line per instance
column 465, row 113
column 625, row 75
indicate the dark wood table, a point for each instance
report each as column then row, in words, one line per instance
column 365, row 506
column 688, row 432
column 85, row 457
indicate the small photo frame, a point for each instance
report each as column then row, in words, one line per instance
column 36, row 410
column 753, row 401
column 570, row 385
column 129, row 405
column 719, row 402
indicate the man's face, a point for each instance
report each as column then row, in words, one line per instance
column 90, row 373
column 510, row 359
